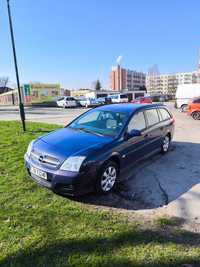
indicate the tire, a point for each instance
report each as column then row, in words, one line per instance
column 196, row 115
column 165, row 144
column 184, row 108
column 108, row 177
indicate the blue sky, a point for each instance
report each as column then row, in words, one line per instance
column 74, row 42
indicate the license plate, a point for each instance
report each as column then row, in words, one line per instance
column 38, row 173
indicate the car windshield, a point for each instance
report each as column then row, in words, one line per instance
column 101, row 122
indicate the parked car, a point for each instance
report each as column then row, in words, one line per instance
column 90, row 102
column 185, row 93
column 67, row 102
column 142, row 100
column 194, row 108
column 99, row 148
column 119, row 98
column 105, row 100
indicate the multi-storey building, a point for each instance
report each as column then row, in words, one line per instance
column 125, row 79
column 167, row 83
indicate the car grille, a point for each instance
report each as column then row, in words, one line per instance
column 45, row 159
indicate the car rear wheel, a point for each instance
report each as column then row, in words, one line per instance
column 165, row 144
column 196, row 115
column 184, row 108
column 108, row 177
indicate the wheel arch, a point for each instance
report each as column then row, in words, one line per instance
column 170, row 135
column 115, row 158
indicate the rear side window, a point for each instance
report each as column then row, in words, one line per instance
column 137, row 122
column 123, row 96
column 70, row 98
column 152, row 116
column 164, row 114
column 196, row 100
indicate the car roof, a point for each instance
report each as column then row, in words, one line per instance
column 128, row 108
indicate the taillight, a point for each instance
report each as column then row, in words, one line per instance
column 173, row 120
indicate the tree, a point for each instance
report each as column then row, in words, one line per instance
column 3, row 84
column 4, row 81
column 98, row 85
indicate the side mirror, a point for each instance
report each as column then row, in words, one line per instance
column 133, row 133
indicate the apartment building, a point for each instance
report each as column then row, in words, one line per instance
column 167, row 83
column 125, row 79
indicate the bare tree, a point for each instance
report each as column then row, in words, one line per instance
column 4, row 81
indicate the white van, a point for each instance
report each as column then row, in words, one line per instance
column 184, row 93
column 119, row 98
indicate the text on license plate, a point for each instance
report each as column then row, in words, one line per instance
column 38, row 173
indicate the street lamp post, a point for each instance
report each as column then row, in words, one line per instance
column 21, row 105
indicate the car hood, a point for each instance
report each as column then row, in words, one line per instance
column 66, row 142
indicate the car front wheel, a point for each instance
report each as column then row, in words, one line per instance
column 108, row 177
column 165, row 144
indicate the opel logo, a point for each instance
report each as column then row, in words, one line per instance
column 41, row 158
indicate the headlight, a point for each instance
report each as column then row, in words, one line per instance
column 29, row 149
column 72, row 164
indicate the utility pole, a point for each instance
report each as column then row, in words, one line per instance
column 21, row 105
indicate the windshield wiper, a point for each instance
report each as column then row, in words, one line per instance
column 88, row 131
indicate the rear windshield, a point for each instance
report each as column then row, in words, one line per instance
column 196, row 100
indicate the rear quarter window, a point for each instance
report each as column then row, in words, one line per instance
column 196, row 101
column 123, row 96
column 152, row 116
column 164, row 114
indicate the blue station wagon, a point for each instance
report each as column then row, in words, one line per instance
column 99, row 148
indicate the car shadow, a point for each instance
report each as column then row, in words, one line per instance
column 155, row 182
column 80, row 250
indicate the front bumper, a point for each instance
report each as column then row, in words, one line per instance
column 64, row 183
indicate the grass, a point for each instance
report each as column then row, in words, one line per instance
column 39, row 228
column 165, row 221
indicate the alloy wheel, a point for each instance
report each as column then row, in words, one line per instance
column 108, row 178
column 184, row 108
column 166, row 143
column 196, row 115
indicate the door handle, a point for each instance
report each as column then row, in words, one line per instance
column 146, row 135
column 162, row 128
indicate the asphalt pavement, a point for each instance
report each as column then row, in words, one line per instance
column 50, row 115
